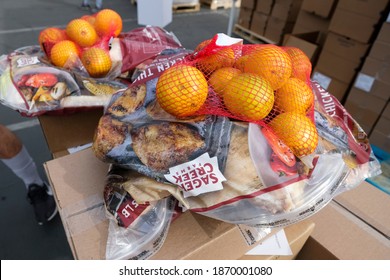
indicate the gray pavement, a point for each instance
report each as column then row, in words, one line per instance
column 20, row 23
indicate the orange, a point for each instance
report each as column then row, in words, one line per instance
column 249, row 97
column 50, row 36
column 108, row 23
column 81, row 32
column 270, row 62
column 297, row 131
column 240, row 62
column 89, row 18
column 294, row 96
column 96, row 61
column 300, row 63
column 221, row 77
column 64, row 52
column 202, row 45
column 181, row 90
column 222, row 58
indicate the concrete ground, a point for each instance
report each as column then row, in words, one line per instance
column 20, row 23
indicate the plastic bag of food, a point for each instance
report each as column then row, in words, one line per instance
column 33, row 87
column 272, row 175
column 136, row 231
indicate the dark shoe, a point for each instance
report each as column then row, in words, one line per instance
column 44, row 205
column 96, row 9
column 85, row 7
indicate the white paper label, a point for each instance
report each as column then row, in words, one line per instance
column 25, row 61
column 323, row 80
column 364, row 82
column 253, row 234
column 79, row 148
column 201, row 175
column 276, row 244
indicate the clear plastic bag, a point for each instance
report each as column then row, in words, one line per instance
column 136, row 231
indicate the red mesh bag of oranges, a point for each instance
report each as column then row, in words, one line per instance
column 263, row 84
column 84, row 43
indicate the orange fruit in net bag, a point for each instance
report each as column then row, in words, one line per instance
column 64, row 52
column 108, row 23
column 222, row 58
column 219, row 79
column 202, row 45
column 296, row 131
column 51, row 35
column 249, row 97
column 270, row 62
column 294, row 96
column 81, row 32
column 301, row 64
column 181, row 90
column 240, row 62
column 96, row 61
column 89, row 18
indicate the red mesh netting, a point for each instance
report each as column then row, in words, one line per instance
column 264, row 84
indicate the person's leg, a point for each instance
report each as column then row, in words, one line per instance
column 99, row 4
column 85, row 5
column 16, row 157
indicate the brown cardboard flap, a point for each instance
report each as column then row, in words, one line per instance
column 370, row 204
column 66, row 131
column 346, row 236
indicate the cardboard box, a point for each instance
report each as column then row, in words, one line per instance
column 363, row 107
column 308, row 22
column 322, row 8
column 373, row 9
column 384, row 33
column 372, row 86
column 286, row 10
column 355, row 26
column 244, row 17
column 78, row 182
column 377, row 68
column 345, row 47
column 276, row 28
column 337, row 66
column 297, row 235
column 248, row 4
column 67, row 131
column 264, row 6
column 380, row 139
column 380, row 51
column 354, row 226
column 334, row 86
column 259, row 22
column 306, row 42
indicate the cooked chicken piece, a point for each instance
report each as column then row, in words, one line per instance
column 160, row 146
column 109, row 134
column 132, row 99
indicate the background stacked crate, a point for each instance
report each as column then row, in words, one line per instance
column 216, row 4
column 267, row 20
column 368, row 99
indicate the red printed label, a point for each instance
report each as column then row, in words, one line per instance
column 130, row 210
column 201, row 175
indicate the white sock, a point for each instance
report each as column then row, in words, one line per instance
column 24, row 167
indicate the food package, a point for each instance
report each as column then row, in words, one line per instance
column 142, row 227
column 226, row 166
column 32, row 85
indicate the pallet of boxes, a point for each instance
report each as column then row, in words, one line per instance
column 267, row 21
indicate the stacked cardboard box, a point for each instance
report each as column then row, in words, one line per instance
column 315, row 16
column 274, row 18
column 371, row 89
column 347, row 43
column 245, row 15
column 380, row 135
